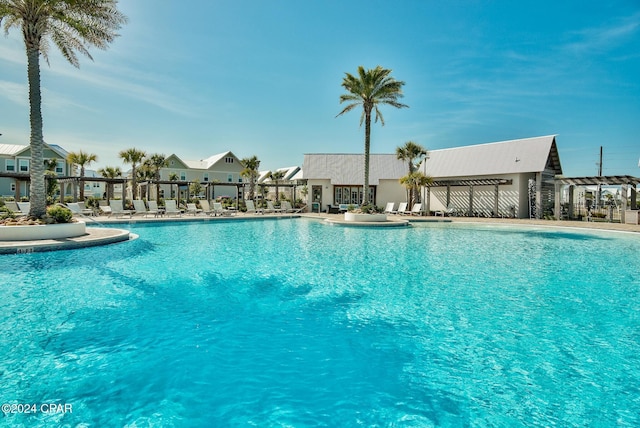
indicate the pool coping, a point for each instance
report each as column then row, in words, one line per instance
column 103, row 236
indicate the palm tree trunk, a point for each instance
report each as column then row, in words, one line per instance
column 37, row 188
column 367, row 147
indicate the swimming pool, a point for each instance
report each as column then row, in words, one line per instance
column 296, row 323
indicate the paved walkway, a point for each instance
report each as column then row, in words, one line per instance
column 101, row 236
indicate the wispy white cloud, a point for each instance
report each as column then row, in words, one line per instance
column 604, row 37
column 14, row 92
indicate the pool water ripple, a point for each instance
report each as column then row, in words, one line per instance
column 294, row 323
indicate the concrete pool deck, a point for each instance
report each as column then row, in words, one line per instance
column 102, row 236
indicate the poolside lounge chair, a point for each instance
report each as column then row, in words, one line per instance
column 402, row 208
column 389, row 208
column 141, row 209
column 206, row 208
column 448, row 211
column 118, row 210
column 171, row 208
column 24, row 207
column 251, row 208
column 193, row 209
column 417, row 209
column 272, row 209
column 13, row 207
column 219, row 210
column 153, row 209
column 287, row 208
column 77, row 210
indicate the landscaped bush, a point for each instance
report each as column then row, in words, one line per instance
column 6, row 213
column 59, row 214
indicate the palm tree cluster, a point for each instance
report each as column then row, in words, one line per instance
column 414, row 154
column 73, row 26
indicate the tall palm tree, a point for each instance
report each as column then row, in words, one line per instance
column 135, row 158
column 81, row 159
column 110, row 172
column 370, row 89
column 250, row 171
column 276, row 176
column 412, row 153
column 155, row 163
column 73, row 26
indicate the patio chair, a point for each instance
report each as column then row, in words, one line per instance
column 446, row 212
column 272, row 209
column 193, row 209
column 141, row 209
column 251, row 208
column 13, row 207
column 153, row 209
column 206, row 208
column 389, row 208
column 287, row 208
column 118, row 210
column 219, row 210
column 24, row 207
column 402, row 209
column 417, row 209
column 76, row 209
column 171, row 208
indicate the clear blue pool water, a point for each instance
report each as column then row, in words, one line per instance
column 293, row 323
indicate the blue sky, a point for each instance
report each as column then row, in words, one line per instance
column 200, row 77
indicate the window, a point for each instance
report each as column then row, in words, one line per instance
column 228, row 160
column 352, row 194
column 183, row 176
column 230, row 178
column 60, row 167
column 13, row 187
column 24, row 165
column 10, row 165
column 205, row 177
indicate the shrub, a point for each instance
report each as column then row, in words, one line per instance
column 6, row 213
column 59, row 214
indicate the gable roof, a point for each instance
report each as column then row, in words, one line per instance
column 349, row 168
column 10, row 149
column 506, row 157
column 210, row 161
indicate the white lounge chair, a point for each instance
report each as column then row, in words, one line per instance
column 171, row 208
column 24, row 207
column 77, row 210
column 287, row 208
column 251, row 208
column 417, row 209
column 141, row 209
column 402, row 209
column 13, row 207
column 206, row 208
column 272, row 209
column 389, row 208
column 118, row 210
column 219, row 210
column 448, row 211
column 193, row 209
column 153, row 209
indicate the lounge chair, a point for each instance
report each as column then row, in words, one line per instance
column 402, row 209
column 77, row 210
column 86, row 210
column 141, row 209
column 13, row 207
column 193, row 209
column 153, row 209
column 219, row 210
column 287, row 208
column 389, row 208
column 24, row 207
column 448, row 211
column 118, row 210
column 171, row 208
column 206, row 208
column 272, row 209
column 417, row 209
column 251, row 208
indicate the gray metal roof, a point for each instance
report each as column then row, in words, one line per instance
column 11, row 149
column 506, row 157
column 349, row 168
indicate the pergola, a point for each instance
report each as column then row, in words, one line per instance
column 470, row 183
column 624, row 181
